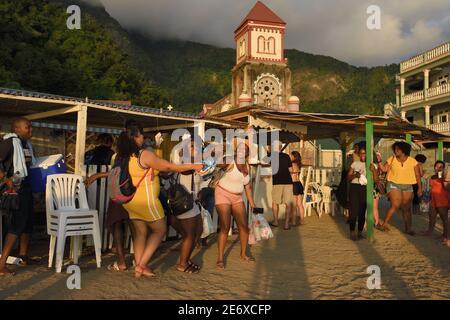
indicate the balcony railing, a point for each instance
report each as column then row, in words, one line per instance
column 427, row 57
column 438, row 91
column 432, row 93
column 411, row 63
column 443, row 127
column 412, row 97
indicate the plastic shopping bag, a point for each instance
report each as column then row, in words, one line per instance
column 424, row 206
column 265, row 232
column 251, row 236
column 254, row 231
column 207, row 223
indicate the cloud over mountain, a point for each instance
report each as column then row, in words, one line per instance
column 331, row 27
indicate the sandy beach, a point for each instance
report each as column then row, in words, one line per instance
column 314, row 261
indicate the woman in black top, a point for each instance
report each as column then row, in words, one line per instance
column 296, row 159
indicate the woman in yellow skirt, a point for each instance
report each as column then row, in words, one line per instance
column 145, row 209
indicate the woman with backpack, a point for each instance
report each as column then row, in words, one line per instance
column 189, row 224
column 117, row 218
column 145, row 210
column 229, row 202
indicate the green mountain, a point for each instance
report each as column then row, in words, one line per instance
column 40, row 53
column 103, row 60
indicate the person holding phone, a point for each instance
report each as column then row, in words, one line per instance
column 145, row 209
column 421, row 159
column 116, row 216
column 357, row 195
column 439, row 202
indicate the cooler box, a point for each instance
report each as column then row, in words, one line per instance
column 44, row 167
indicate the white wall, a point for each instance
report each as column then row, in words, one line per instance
column 331, row 159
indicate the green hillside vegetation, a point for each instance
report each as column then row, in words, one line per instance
column 103, row 60
column 40, row 53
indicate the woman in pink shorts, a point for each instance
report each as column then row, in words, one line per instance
column 229, row 202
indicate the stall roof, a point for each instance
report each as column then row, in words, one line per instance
column 42, row 106
column 322, row 125
column 14, row 103
column 327, row 125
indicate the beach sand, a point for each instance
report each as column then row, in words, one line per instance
column 314, row 261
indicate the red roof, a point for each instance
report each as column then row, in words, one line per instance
column 261, row 13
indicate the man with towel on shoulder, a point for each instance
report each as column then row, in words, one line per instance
column 16, row 158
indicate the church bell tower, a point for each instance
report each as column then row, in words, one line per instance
column 261, row 75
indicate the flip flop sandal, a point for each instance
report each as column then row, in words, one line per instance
column 273, row 225
column 220, row 265
column 27, row 261
column 115, row 267
column 383, row 228
column 288, row 228
column 249, row 259
column 24, row 261
column 193, row 265
column 141, row 273
column 7, row 274
column 189, row 269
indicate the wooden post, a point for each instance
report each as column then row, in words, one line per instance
column 319, row 158
column 199, row 129
column 369, row 192
column 441, row 150
column 408, row 138
column 81, row 140
column 345, row 141
column 344, row 156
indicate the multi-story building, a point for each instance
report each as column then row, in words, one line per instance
column 423, row 94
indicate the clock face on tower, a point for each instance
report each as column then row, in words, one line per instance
column 267, row 87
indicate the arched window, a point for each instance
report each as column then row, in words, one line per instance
column 261, row 44
column 271, row 45
column 242, row 48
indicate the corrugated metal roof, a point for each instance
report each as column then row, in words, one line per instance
column 74, row 128
column 40, row 95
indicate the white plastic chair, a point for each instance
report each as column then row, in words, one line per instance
column 68, row 215
column 328, row 204
column 313, row 199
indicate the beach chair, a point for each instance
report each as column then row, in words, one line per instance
column 328, row 203
column 68, row 215
column 313, row 199
column 308, row 179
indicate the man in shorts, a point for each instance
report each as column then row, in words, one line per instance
column 21, row 224
column 282, row 187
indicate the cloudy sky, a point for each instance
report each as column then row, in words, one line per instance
column 335, row 28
